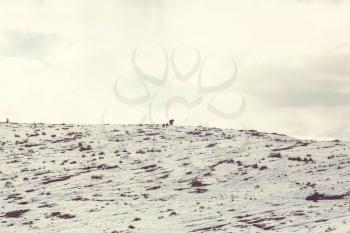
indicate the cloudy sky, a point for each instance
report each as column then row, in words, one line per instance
column 71, row 61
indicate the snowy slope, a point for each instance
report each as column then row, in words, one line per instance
column 145, row 178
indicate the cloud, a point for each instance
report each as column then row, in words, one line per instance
column 27, row 44
column 307, row 99
column 311, row 81
column 292, row 57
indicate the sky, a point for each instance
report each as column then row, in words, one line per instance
column 273, row 66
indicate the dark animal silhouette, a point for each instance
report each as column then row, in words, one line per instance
column 171, row 122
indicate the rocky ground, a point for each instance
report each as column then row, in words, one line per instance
column 148, row 178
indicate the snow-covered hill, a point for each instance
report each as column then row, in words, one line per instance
column 147, row 178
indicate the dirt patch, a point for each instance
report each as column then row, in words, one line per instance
column 62, row 216
column 15, row 213
column 321, row 196
column 63, row 178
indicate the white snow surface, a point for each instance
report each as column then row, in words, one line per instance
column 149, row 178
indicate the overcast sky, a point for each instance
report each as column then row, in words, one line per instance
column 60, row 60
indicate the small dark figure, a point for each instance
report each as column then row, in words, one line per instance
column 171, row 122
column 7, row 120
column 166, row 124
column 163, row 125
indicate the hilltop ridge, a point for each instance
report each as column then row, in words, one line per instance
column 148, row 178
